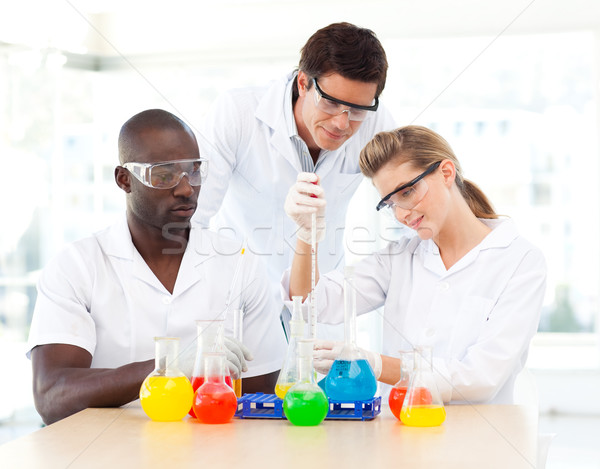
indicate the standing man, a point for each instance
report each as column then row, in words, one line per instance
column 103, row 299
column 315, row 120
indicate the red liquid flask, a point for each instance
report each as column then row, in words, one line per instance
column 398, row 392
column 214, row 401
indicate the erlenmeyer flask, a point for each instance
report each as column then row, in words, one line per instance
column 288, row 375
column 166, row 394
column 350, row 377
column 423, row 406
column 214, row 401
column 209, row 339
column 305, row 403
column 398, row 392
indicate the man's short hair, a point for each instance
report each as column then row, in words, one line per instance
column 348, row 50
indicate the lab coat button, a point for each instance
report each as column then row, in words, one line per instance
column 443, row 286
column 166, row 300
column 430, row 332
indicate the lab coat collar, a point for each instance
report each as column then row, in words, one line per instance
column 271, row 112
column 503, row 233
column 116, row 242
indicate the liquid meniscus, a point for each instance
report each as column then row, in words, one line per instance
column 350, row 380
column 214, row 403
column 423, row 416
column 305, row 407
column 396, row 400
column 282, row 389
column 166, row 399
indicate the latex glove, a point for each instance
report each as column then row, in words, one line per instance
column 304, row 198
column 325, row 352
column 236, row 356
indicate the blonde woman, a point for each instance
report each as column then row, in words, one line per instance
column 463, row 282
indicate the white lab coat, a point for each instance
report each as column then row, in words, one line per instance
column 478, row 316
column 100, row 295
column 255, row 164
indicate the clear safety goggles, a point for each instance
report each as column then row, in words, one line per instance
column 408, row 195
column 334, row 106
column 168, row 174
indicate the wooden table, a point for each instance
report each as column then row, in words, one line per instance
column 482, row 436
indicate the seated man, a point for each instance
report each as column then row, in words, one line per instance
column 104, row 298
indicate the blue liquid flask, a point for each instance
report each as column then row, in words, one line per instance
column 350, row 377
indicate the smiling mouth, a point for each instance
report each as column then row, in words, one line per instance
column 415, row 223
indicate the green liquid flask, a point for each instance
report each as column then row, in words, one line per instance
column 305, row 403
column 350, row 378
column 166, row 394
column 288, row 375
column 423, row 405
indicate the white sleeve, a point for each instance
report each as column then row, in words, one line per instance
column 262, row 329
column 219, row 140
column 503, row 341
column 61, row 314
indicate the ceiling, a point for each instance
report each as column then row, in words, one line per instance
column 115, row 30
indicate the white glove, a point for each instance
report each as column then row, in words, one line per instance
column 304, row 198
column 325, row 353
column 236, row 355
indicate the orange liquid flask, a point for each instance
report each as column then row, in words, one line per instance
column 214, row 401
column 166, row 394
column 396, row 398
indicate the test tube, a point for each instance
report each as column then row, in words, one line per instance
column 313, row 275
column 238, row 317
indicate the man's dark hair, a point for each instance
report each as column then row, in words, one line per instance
column 348, row 50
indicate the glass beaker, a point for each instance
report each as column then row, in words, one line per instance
column 214, row 401
column 423, row 405
column 166, row 394
column 209, row 339
column 351, row 377
column 288, row 375
column 397, row 393
column 305, row 403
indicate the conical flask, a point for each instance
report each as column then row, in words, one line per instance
column 166, row 394
column 214, row 400
column 350, row 377
column 305, row 403
column 209, row 339
column 288, row 375
column 423, row 405
column 398, row 392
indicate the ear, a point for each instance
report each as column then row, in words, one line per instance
column 123, row 179
column 303, row 83
column 448, row 171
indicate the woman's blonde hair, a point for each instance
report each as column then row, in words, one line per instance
column 421, row 147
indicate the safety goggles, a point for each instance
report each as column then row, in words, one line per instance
column 168, row 174
column 408, row 195
column 334, row 106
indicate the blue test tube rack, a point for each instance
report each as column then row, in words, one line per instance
column 261, row 405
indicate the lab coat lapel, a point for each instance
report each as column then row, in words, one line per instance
column 198, row 251
column 270, row 112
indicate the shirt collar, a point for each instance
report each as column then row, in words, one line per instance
column 288, row 110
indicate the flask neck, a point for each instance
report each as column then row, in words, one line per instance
column 422, row 359
column 166, row 352
column 305, row 361
column 349, row 309
column 214, row 366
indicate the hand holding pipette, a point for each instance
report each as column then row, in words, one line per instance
column 305, row 199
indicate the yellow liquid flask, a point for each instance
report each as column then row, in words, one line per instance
column 305, row 403
column 350, row 378
column 423, row 406
column 288, row 375
column 166, row 394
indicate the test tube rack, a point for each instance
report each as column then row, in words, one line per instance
column 261, row 405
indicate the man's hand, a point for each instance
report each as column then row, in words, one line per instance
column 304, row 198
